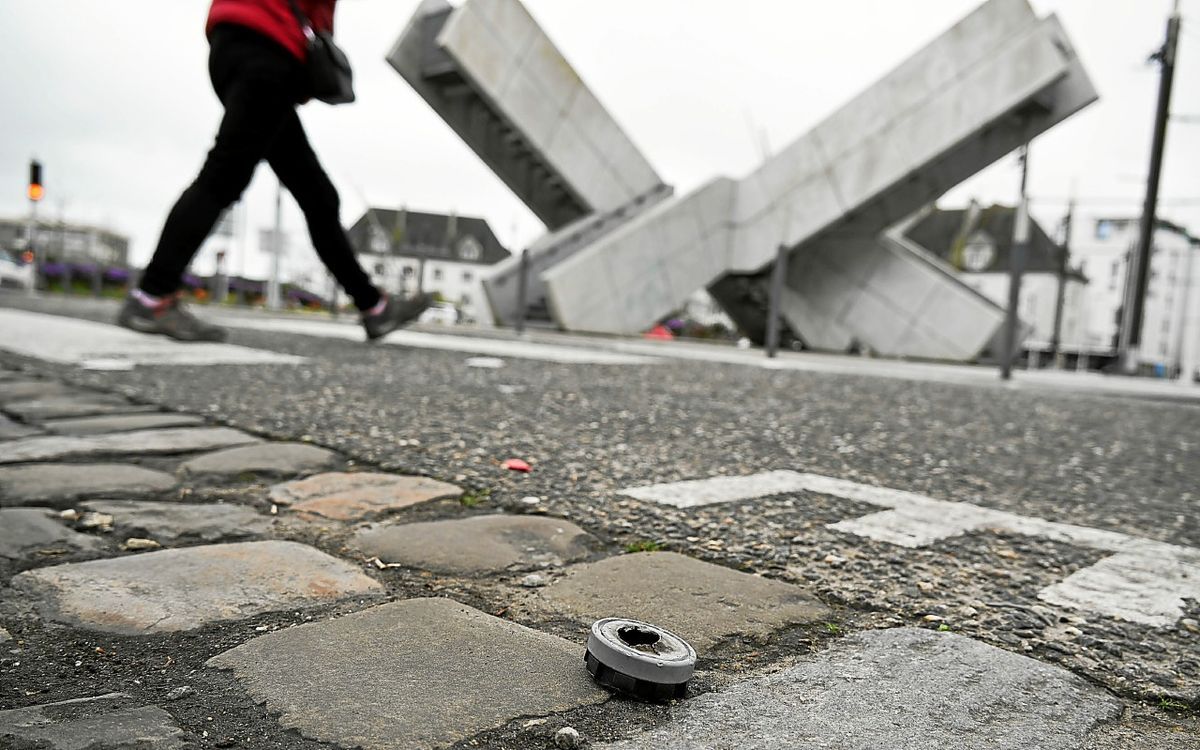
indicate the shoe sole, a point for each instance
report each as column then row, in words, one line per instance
column 137, row 325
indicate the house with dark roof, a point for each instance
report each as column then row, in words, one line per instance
column 448, row 255
column 978, row 242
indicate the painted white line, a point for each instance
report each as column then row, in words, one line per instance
column 95, row 345
column 1130, row 587
column 698, row 492
column 910, row 526
column 1144, row 581
column 451, row 343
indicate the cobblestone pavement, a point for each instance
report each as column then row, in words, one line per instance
column 322, row 568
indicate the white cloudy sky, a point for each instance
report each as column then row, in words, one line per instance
column 114, row 99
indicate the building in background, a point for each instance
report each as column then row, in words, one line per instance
column 1171, row 324
column 977, row 242
column 67, row 242
column 443, row 254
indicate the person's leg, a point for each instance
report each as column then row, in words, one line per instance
column 293, row 160
column 257, row 87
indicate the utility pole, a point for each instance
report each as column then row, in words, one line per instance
column 1020, row 245
column 775, row 301
column 274, row 298
column 1064, row 258
column 1131, row 330
column 36, row 192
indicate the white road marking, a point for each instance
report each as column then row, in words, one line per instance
column 911, row 526
column 451, row 343
column 698, row 492
column 1144, row 581
column 95, row 345
column 1130, row 587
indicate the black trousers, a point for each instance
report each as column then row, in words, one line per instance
column 259, row 83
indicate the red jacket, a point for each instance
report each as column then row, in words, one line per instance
column 274, row 18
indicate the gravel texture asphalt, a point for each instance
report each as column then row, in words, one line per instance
column 588, row 431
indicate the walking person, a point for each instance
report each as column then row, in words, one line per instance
column 256, row 62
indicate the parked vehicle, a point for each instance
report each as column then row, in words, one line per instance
column 15, row 272
column 441, row 312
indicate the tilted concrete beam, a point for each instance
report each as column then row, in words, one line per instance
column 630, row 254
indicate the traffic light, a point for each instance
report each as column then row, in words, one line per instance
column 36, row 191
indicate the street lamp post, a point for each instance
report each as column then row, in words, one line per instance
column 1017, row 267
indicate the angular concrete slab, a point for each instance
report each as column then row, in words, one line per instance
column 182, row 589
column 264, row 459
column 62, row 407
column 700, row 601
column 340, row 496
column 121, row 423
column 145, row 442
column 26, row 530
column 26, row 389
column 413, row 675
column 166, row 523
column 60, row 484
column 902, row 689
column 115, row 720
column 483, row 544
column 10, row 430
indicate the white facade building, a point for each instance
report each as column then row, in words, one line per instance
column 1171, row 321
column 446, row 255
column 977, row 243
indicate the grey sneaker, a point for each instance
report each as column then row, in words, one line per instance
column 396, row 313
column 169, row 319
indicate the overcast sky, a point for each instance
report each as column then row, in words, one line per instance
column 114, row 100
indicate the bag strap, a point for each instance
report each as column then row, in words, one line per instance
column 305, row 24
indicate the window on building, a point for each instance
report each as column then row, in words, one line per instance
column 1104, row 230
column 379, row 268
column 466, row 299
column 437, row 274
column 467, row 276
column 407, row 272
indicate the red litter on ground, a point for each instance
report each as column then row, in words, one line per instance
column 516, row 464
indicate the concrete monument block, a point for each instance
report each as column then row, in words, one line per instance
column 622, row 254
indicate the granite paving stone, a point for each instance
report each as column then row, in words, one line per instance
column 903, row 689
column 60, row 484
column 166, row 523
column 10, row 430
column 264, row 459
column 120, row 423
column 341, row 496
column 411, row 675
column 147, row 442
column 702, row 602
column 181, row 589
column 25, row 389
column 24, row 530
column 481, row 544
column 60, row 407
column 114, row 721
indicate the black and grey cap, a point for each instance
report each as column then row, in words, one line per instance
column 639, row 659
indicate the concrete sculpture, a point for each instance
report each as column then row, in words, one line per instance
column 623, row 252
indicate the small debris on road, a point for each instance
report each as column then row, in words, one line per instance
column 137, row 543
column 567, row 737
column 178, row 693
column 534, row 580
column 485, row 363
column 516, row 464
column 94, row 520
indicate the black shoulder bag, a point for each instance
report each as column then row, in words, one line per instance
column 329, row 71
